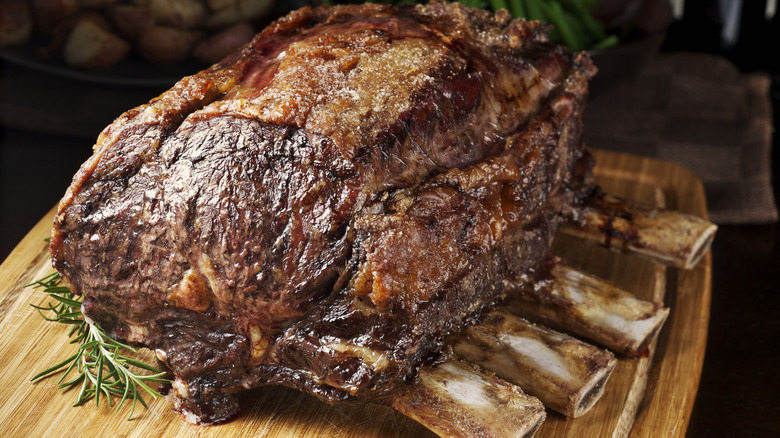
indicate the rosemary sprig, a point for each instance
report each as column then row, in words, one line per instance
column 100, row 366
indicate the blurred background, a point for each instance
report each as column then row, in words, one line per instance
column 705, row 94
column 737, row 380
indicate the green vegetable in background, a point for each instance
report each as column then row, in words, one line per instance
column 574, row 25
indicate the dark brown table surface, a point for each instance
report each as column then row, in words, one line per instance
column 48, row 124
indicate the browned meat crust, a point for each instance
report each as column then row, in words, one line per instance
column 322, row 208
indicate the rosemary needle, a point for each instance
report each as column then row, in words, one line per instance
column 100, row 367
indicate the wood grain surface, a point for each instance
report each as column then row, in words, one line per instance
column 650, row 396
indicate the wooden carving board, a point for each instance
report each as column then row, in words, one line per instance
column 650, row 396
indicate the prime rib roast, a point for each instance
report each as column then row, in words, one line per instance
column 325, row 207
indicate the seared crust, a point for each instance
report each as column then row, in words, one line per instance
column 257, row 223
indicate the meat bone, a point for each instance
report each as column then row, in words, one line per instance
column 663, row 236
column 584, row 305
column 456, row 399
column 449, row 397
column 566, row 374
column 557, row 371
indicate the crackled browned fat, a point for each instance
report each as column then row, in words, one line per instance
column 321, row 208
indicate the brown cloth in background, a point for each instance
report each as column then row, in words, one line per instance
column 699, row 111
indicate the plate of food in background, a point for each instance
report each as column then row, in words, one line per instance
column 129, row 42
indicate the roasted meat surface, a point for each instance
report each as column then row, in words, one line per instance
column 322, row 208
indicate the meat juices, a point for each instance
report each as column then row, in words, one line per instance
column 322, row 208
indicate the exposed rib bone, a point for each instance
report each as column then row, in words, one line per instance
column 587, row 306
column 664, row 236
column 566, row 374
column 454, row 399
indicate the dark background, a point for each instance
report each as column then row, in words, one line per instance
column 739, row 387
column 739, row 384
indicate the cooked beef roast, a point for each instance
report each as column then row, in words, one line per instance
column 321, row 209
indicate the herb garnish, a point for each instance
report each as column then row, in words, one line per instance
column 100, row 365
